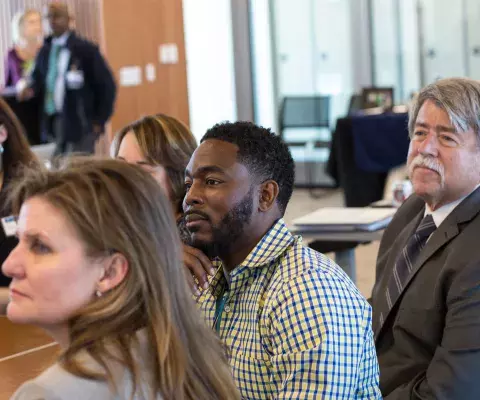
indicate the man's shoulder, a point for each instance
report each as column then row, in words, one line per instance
column 80, row 43
column 303, row 265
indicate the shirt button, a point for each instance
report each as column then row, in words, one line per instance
column 227, row 309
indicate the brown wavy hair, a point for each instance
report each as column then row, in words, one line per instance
column 164, row 141
column 117, row 207
column 16, row 149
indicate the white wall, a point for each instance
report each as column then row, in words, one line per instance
column 210, row 66
column 264, row 91
column 410, row 48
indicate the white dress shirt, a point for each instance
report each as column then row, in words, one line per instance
column 63, row 61
column 443, row 212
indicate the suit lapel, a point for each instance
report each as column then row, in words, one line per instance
column 449, row 228
column 397, row 247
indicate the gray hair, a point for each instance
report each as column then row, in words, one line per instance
column 459, row 97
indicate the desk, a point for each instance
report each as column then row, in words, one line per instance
column 345, row 258
column 363, row 150
column 17, row 341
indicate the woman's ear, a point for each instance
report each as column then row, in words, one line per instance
column 268, row 195
column 3, row 133
column 115, row 268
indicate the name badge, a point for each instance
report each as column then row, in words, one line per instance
column 9, row 225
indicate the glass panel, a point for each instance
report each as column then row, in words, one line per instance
column 473, row 39
column 385, row 44
column 443, row 47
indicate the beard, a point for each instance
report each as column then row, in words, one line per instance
column 228, row 230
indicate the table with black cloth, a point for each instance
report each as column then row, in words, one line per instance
column 29, row 114
column 363, row 150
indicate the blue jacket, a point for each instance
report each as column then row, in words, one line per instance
column 91, row 104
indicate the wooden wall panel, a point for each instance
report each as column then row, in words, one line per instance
column 132, row 34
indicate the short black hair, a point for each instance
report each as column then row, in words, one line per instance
column 263, row 152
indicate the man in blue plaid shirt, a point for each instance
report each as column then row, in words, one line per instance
column 294, row 324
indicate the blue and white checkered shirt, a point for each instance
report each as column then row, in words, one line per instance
column 295, row 325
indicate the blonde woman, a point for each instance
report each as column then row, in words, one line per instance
column 27, row 32
column 98, row 266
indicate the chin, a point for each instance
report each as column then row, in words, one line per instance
column 17, row 315
column 201, row 240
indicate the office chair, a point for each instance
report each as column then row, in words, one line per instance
column 300, row 112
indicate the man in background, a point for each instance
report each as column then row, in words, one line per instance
column 426, row 299
column 75, row 83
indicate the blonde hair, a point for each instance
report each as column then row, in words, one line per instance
column 117, row 207
column 164, row 141
column 17, row 22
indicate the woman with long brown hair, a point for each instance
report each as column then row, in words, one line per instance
column 163, row 146
column 98, row 266
column 15, row 154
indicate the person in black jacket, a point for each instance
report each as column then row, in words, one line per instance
column 76, row 85
column 15, row 153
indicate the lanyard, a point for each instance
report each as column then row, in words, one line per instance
column 219, row 306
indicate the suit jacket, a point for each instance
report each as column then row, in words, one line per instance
column 429, row 344
column 91, row 104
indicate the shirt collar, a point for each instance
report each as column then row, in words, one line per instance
column 61, row 40
column 443, row 212
column 270, row 247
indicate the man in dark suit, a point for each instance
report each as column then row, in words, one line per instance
column 75, row 83
column 426, row 299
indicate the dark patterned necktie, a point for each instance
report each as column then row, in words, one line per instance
column 405, row 261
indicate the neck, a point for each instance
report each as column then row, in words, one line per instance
column 60, row 34
column 27, row 50
column 239, row 251
column 60, row 334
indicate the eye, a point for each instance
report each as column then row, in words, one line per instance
column 187, row 186
column 212, row 182
column 39, row 248
column 448, row 140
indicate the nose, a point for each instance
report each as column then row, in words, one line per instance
column 13, row 265
column 194, row 196
column 429, row 146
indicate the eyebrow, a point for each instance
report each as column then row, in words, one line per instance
column 438, row 128
column 34, row 235
column 205, row 170
column 144, row 163
column 137, row 162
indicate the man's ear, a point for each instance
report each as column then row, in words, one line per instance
column 115, row 268
column 268, row 195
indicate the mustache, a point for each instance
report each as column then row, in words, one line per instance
column 199, row 213
column 427, row 162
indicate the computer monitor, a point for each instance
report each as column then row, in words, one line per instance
column 377, row 97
